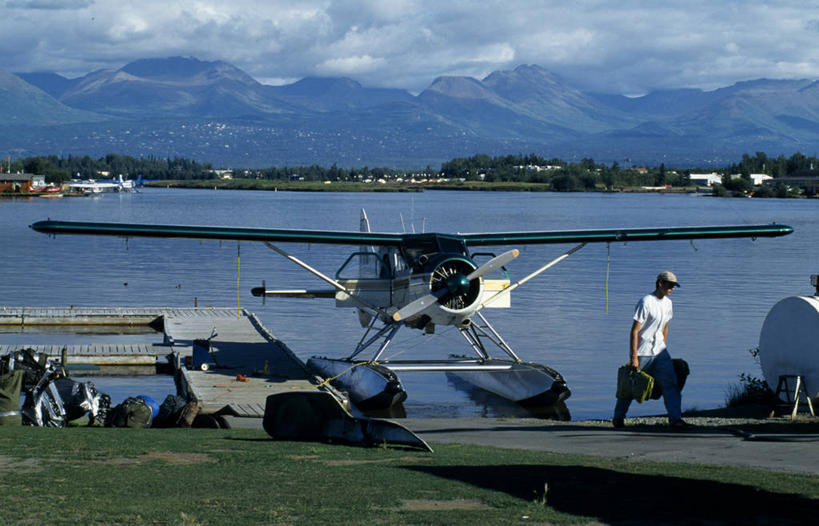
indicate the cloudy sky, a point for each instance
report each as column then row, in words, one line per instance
column 628, row 46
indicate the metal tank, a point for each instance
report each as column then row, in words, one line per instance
column 789, row 341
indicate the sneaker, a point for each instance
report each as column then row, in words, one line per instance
column 618, row 423
column 680, row 425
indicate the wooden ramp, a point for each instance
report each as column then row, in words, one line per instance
column 248, row 364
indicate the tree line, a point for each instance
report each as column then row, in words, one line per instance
column 586, row 174
column 60, row 169
column 557, row 174
column 560, row 175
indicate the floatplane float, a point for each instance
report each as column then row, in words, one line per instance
column 420, row 281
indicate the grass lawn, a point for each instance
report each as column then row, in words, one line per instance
column 100, row 475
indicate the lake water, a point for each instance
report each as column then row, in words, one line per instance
column 571, row 318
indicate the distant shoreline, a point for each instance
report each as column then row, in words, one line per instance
column 315, row 186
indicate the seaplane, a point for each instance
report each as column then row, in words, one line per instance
column 420, row 281
column 100, row 186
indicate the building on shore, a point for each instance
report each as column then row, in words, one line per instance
column 26, row 184
column 705, row 179
column 809, row 184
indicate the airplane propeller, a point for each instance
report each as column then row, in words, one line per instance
column 455, row 284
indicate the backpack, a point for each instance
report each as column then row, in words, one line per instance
column 10, row 387
column 682, row 371
column 32, row 363
column 170, row 410
column 132, row 412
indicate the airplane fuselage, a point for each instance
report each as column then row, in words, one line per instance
column 393, row 277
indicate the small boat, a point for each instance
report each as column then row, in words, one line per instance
column 320, row 416
column 48, row 190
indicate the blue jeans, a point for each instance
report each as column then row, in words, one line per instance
column 662, row 369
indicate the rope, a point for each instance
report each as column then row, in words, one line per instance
column 328, row 380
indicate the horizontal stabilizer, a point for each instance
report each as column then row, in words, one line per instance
column 261, row 291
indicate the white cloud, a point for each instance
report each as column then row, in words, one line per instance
column 46, row 4
column 629, row 47
column 349, row 65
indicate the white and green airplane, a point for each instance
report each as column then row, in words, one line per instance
column 419, row 281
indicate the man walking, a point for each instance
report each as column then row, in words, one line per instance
column 649, row 352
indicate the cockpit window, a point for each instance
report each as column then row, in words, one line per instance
column 363, row 265
column 419, row 245
column 384, row 264
column 451, row 245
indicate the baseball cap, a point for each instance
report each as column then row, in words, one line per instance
column 668, row 276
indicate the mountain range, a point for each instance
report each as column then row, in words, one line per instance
column 215, row 112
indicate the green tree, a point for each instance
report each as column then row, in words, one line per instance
column 660, row 180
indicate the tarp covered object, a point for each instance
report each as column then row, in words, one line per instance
column 10, row 387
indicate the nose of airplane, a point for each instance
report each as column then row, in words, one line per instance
column 457, row 284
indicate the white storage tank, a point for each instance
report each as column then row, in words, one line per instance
column 789, row 342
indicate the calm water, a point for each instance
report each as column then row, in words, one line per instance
column 570, row 317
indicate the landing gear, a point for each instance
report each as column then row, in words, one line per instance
column 373, row 384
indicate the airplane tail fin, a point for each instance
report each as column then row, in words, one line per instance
column 364, row 221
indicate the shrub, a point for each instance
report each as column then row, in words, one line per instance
column 751, row 389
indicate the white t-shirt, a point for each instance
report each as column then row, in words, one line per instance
column 653, row 313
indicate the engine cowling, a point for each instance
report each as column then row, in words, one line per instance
column 457, row 295
column 454, row 290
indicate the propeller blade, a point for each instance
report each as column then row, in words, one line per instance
column 494, row 264
column 414, row 307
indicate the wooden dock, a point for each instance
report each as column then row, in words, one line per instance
column 108, row 316
column 144, row 354
column 245, row 365
column 249, row 364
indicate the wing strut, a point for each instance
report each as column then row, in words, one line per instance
column 520, row 282
column 328, row 279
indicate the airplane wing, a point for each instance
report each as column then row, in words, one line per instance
column 219, row 232
column 624, row 234
column 395, row 239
